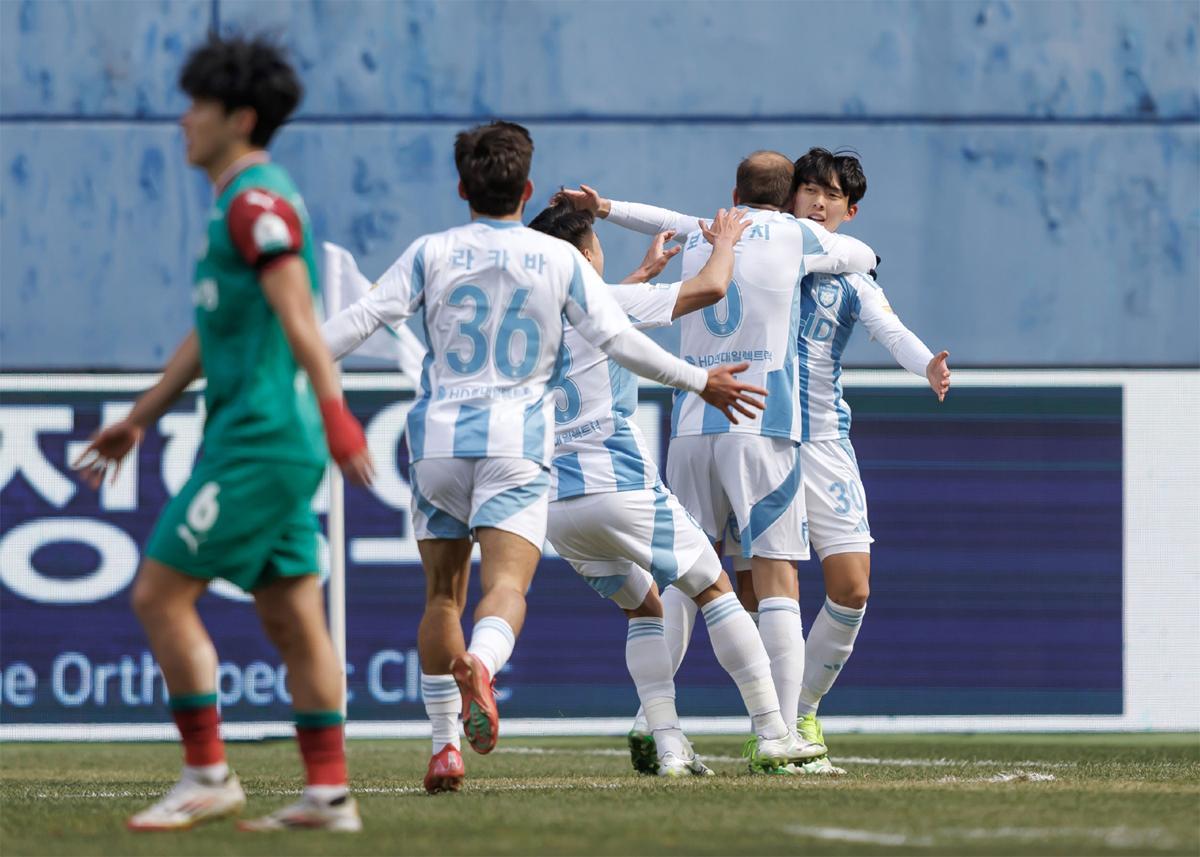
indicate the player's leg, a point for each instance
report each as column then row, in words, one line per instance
column 608, row 539
column 440, row 511
column 164, row 600
column 831, row 638
column 763, row 477
column 292, row 611
column 201, row 534
column 508, row 516
column 447, row 564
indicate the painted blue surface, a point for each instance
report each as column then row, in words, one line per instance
column 1032, row 167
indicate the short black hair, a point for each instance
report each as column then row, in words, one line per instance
column 560, row 220
column 241, row 71
column 825, row 168
column 764, row 178
column 493, row 163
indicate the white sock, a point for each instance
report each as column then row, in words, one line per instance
column 492, row 641
column 679, row 618
column 740, row 651
column 830, row 642
column 649, row 664
column 326, row 794
column 443, row 705
column 783, row 637
column 210, row 775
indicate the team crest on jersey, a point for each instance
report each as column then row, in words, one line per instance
column 271, row 233
column 827, row 293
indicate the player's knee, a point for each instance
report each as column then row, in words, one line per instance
column 143, row 602
column 853, row 594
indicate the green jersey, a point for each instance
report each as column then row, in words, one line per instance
column 260, row 404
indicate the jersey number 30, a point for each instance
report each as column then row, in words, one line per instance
column 512, row 323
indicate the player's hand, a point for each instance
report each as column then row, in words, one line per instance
column 656, row 258
column 347, row 443
column 108, row 448
column 726, row 227
column 727, row 394
column 586, row 199
column 938, row 374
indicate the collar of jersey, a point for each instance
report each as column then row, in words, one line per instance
column 498, row 224
column 245, row 162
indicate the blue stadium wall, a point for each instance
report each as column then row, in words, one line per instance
column 1033, row 167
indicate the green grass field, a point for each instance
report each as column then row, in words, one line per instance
column 937, row 794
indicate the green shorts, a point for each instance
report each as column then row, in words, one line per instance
column 249, row 522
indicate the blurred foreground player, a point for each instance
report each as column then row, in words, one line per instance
column 625, row 532
column 495, row 297
column 244, row 515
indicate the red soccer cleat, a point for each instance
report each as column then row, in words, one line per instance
column 446, row 771
column 481, row 720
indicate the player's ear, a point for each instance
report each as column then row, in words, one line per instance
column 527, row 194
column 244, row 118
column 736, row 201
column 462, row 190
column 851, row 211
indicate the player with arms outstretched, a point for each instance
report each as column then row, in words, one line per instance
column 623, row 531
column 244, row 515
column 827, row 188
column 495, row 296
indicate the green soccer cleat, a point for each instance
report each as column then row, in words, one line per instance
column 808, row 728
column 643, row 753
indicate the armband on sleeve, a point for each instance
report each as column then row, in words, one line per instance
column 264, row 227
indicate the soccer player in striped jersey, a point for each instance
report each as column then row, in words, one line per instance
column 624, row 532
column 827, row 188
column 495, row 296
column 750, row 473
column 245, row 513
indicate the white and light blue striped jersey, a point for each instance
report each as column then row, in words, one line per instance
column 757, row 321
column 496, row 296
column 830, row 305
column 598, row 449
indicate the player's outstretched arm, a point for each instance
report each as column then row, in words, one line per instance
column 286, row 287
column 840, row 253
column 647, row 219
column 712, row 281
column 906, row 347
column 111, row 444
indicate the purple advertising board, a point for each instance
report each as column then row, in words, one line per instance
column 996, row 570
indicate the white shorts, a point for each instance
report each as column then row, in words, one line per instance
column 622, row 541
column 748, row 480
column 452, row 497
column 834, row 500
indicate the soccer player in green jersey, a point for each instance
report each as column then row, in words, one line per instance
column 245, row 514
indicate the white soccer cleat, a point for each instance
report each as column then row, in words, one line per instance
column 671, row 765
column 190, row 802
column 339, row 815
column 820, row 766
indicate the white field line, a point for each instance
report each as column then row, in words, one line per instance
column 869, row 837
column 849, row 760
column 1111, row 837
column 479, row 786
column 1005, row 777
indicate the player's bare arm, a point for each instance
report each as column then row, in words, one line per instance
column 656, row 258
column 286, row 287
column 712, row 281
column 111, row 444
